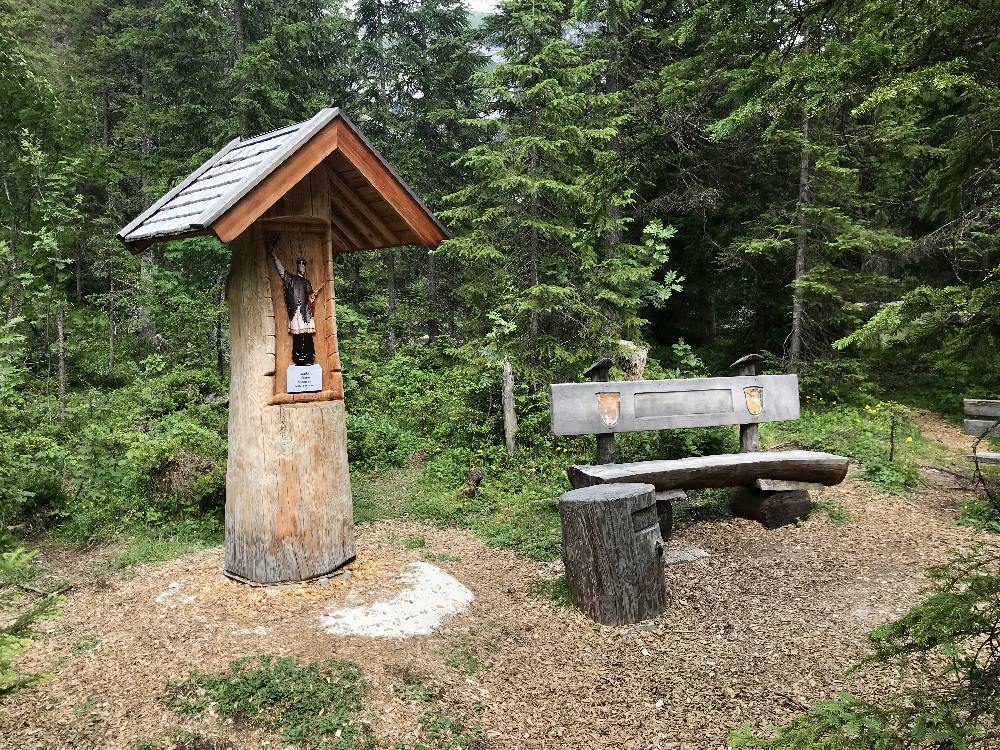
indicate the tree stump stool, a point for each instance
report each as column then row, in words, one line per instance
column 612, row 547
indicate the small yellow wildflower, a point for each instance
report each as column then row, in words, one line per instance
column 909, row 440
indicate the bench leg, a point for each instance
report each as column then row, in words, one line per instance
column 772, row 509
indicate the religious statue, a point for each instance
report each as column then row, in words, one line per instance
column 300, row 301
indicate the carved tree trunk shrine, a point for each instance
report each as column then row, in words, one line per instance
column 288, row 202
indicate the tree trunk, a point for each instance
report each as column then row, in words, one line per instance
column 533, row 247
column 220, row 357
column 239, row 27
column 147, row 328
column 288, row 493
column 801, row 245
column 390, row 262
column 16, row 297
column 112, row 332
column 61, row 342
column 79, row 273
column 509, row 414
column 112, row 326
column 612, row 85
column 433, row 327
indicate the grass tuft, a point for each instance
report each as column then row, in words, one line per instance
column 556, row 590
column 836, row 512
column 169, row 542
column 463, row 660
column 312, row 705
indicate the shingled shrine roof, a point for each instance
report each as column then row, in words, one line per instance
column 372, row 206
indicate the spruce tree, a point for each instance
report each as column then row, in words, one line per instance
column 536, row 209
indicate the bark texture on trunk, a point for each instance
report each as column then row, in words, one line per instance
column 61, row 339
column 612, row 547
column 509, row 414
column 801, row 246
column 433, row 326
column 533, row 323
column 390, row 263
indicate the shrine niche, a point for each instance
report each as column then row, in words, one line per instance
column 288, row 202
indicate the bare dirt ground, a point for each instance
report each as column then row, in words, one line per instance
column 757, row 631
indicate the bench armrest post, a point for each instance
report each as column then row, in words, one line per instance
column 749, row 433
column 607, row 449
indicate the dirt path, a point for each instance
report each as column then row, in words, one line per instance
column 757, row 631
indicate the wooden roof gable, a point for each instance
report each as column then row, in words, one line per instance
column 371, row 205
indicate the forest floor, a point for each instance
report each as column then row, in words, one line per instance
column 757, row 631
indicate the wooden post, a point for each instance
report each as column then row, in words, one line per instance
column 612, row 548
column 509, row 414
column 772, row 508
column 607, row 450
column 288, row 491
column 749, row 433
column 284, row 201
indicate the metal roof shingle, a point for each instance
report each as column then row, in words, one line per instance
column 200, row 199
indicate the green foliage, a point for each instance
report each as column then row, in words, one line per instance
column 836, row 512
column 980, row 514
column 879, row 436
column 415, row 542
column 556, row 589
column 516, row 504
column 170, row 541
column 133, row 459
column 845, row 723
column 439, row 732
column 16, row 634
column 314, row 705
column 463, row 660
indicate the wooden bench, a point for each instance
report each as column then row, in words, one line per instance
column 616, row 520
column 771, row 487
column 985, row 422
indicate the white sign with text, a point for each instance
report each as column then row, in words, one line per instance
column 307, row 379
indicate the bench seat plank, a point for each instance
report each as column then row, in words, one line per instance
column 729, row 470
column 980, row 407
column 985, row 458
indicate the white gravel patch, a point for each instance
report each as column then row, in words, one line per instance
column 683, row 554
column 431, row 597
column 169, row 595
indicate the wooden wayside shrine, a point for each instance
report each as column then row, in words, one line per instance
column 288, row 202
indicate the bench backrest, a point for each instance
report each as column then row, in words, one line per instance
column 986, row 415
column 636, row 405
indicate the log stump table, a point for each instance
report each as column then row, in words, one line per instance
column 613, row 551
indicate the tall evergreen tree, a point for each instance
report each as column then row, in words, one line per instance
column 535, row 212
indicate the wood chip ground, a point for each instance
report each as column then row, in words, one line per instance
column 757, row 631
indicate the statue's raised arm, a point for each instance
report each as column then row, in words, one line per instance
column 272, row 243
